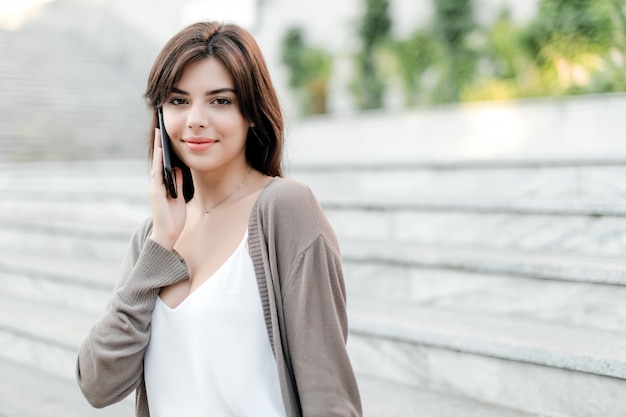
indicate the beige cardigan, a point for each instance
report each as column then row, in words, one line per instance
column 298, row 267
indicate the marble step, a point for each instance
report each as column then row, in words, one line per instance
column 545, row 368
column 27, row 392
column 74, row 209
column 538, row 265
column 85, row 284
column 518, row 185
column 593, row 227
column 583, row 304
column 574, row 234
column 78, row 207
column 516, row 180
column 39, row 341
column 59, row 174
column 577, row 235
column 80, row 285
column 110, row 241
column 519, row 181
column 501, row 281
column 70, row 240
column 44, row 337
column 389, row 399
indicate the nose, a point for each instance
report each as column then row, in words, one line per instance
column 197, row 117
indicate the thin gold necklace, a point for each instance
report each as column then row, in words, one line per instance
column 207, row 210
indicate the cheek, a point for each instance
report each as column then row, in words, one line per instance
column 175, row 126
column 233, row 127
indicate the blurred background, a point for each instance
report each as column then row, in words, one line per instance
column 469, row 154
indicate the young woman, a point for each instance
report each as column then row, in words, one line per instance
column 231, row 300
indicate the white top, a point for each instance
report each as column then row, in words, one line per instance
column 211, row 355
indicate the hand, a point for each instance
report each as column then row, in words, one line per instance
column 168, row 214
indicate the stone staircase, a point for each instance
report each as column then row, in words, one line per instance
column 64, row 228
column 499, row 281
column 482, row 288
column 71, row 85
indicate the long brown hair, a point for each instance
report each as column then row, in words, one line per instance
column 258, row 102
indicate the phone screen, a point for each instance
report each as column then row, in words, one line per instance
column 167, row 157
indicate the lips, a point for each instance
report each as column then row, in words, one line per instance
column 199, row 144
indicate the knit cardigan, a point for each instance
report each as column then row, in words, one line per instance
column 298, row 269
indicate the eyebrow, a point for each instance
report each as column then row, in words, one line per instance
column 209, row 93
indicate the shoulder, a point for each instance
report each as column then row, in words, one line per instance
column 287, row 193
column 290, row 209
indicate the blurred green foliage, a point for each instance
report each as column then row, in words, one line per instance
column 570, row 47
column 457, row 63
column 368, row 85
column 309, row 71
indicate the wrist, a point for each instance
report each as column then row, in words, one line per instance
column 163, row 241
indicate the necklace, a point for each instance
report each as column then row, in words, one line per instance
column 207, row 210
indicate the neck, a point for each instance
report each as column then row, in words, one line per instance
column 211, row 190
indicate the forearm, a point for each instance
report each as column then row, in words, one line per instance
column 110, row 361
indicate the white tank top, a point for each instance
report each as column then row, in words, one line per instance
column 211, row 356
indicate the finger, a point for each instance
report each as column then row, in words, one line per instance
column 157, row 156
column 178, row 173
column 157, row 138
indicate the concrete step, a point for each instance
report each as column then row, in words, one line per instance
column 388, row 399
column 67, row 240
column 586, row 185
column 126, row 180
column 540, row 367
column 531, row 264
column 76, row 284
column 27, row 392
column 590, row 305
column 574, row 234
column 514, row 180
column 552, row 226
column 41, row 336
column 555, row 226
column 40, row 344
column 78, row 208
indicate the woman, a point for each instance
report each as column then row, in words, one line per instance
column 231, row 300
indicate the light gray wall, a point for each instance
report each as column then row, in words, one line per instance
column 578, row 127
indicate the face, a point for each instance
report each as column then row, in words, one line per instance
column 203, row 120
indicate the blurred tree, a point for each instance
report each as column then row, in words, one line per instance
column 309, row 72
column 507, row 69
column 413, row 57
column 569, row 40
column 453, row 24
column 571, row 47
column 368, row 87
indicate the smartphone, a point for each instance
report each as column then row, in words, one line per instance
column 169, row 179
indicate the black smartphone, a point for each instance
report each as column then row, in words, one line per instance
column 170, row 181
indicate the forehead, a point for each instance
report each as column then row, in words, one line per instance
column 207, row 73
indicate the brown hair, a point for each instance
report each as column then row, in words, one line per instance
column 258, row 102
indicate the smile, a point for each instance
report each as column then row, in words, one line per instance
column 199, row 144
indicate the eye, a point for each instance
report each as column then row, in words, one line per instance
column 178, row 101
column 222, row 101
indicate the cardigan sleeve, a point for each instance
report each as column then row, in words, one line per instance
column 317, row 330
column 313, row 299
column 110, row 360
